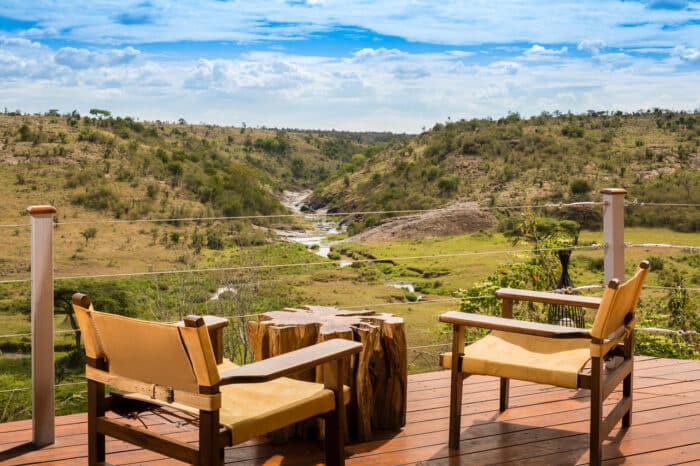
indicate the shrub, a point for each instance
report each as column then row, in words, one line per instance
column 580, row 186
column 656, row 263
column 99, row 198
column 571, row 131
column 152, row 190
column 448, row 184
column 214, row 240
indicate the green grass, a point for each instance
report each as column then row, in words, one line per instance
column 170, row 297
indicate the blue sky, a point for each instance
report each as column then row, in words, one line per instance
column 357, row 65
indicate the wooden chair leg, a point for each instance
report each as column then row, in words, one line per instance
column 505, row 392
column 335, row 439
column 627, row 382
column 96, row 408
column 211, row 451
column 596, row 431
column 456, row 386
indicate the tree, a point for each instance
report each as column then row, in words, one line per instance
column 25, row 134
column 98, row 112
column 89, row 234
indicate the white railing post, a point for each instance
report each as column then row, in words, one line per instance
column 614, row 233
column 42, row 325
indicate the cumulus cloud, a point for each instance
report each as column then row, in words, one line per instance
column 381, row 53
column 686, row 53
column 18, row 42
column 83, row 58
column 538, row 51
column 592, row 46
column 504, row 67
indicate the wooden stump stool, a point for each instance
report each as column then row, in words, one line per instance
column 377, row 375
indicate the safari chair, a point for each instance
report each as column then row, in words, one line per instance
column 551, row 354
column 175, row 365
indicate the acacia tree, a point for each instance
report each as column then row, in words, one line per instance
column 89, row 234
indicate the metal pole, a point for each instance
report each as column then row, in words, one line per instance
column 43, row 432
column 614, row 233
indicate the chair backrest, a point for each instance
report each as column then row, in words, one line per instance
column 618, row 301
column 152, row 352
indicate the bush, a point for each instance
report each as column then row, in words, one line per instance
column 579, row 187
column 100, row 198
column 214, row 240
column 571, row 131
column 656, row 263
column 448, row 184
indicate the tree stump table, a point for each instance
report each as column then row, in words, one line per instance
column 376, row 376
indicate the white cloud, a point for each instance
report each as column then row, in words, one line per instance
column 83, row 58
column 18, row 42
column 593, row 46
column 538, row 51
column 686, row 53
column 382, row 53
column 373, row 87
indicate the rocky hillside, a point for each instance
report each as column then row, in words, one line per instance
column 549, row 158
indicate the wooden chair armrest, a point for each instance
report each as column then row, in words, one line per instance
column 548, row 298
column 215, row 327
column 289, row 363
column 212, row 322
column 512, row 325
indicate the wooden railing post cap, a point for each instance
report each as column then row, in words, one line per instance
column 613, row 191
column 41, row 209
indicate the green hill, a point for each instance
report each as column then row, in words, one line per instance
column 655, row 155
column 129, row 169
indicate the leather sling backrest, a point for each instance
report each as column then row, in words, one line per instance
column 151, row 352
column 617, row 304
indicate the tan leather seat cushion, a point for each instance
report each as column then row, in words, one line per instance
column 252, row 409
column 525, row 357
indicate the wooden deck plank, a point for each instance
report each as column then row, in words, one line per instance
column 544, row 425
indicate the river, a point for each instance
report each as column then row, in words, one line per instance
column 321, row 227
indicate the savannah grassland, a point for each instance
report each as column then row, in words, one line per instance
column 102, row 175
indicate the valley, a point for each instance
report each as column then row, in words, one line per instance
column 155, row 220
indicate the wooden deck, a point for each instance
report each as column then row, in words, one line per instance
column 545, row 425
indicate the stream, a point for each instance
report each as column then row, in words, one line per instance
column 316, row 238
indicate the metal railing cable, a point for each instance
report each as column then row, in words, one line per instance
column 638, row 203
column 666, row 331
column 245, row 268
column 68, row 384
column 23, row 389
column 358, row 306
column 662, row 246
column 57, row 332
column 560, row 205
column 319, row 214
column 646, row 287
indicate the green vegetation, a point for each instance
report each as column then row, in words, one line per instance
column 131, row 169
column 106, row 168
column 655, row 155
